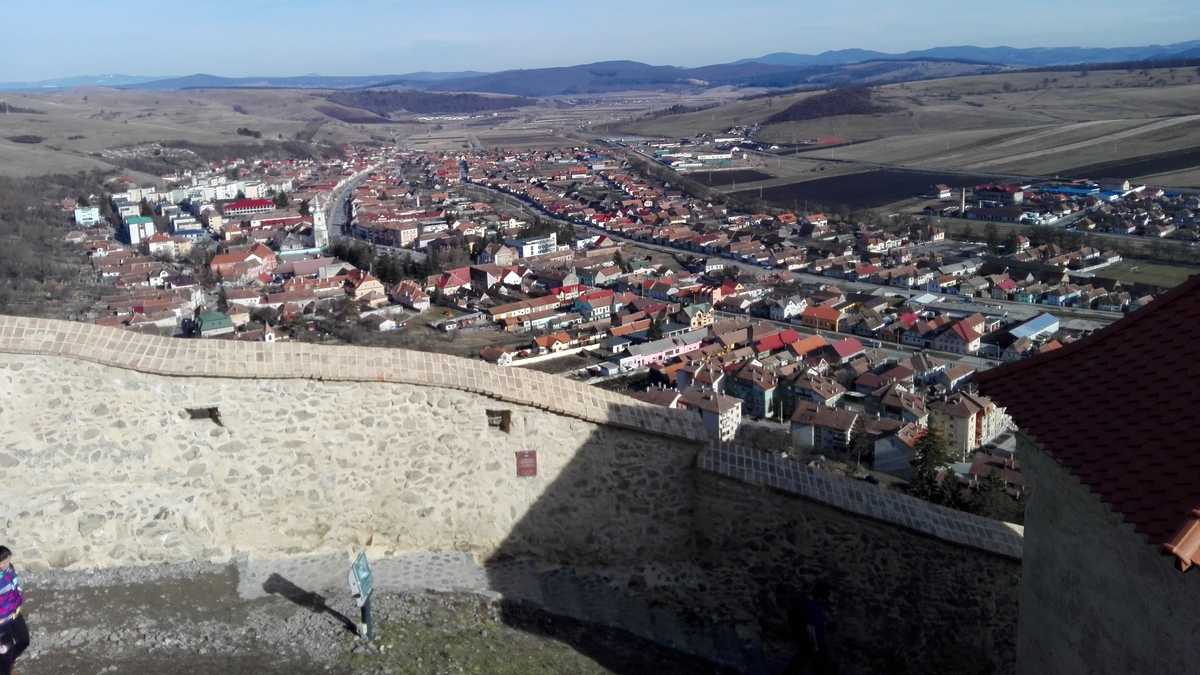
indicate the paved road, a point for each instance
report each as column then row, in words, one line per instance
column 336, row 209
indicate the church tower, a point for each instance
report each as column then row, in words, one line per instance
column 320, row 228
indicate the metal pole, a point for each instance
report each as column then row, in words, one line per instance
column 367, row 629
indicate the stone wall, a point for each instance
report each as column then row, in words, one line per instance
column 629, row 521
column 104, row 467
column 902, row 602
column 1097, row 597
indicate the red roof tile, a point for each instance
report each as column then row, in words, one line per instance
column 1140, row 455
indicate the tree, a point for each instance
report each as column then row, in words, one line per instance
column 387, row 269
column 281, row 200
column 1011, row 243
column 268, row 316
column 621, row 263
column 222, row 300
column 241, row 194
column 993, row 237
column 861, row 447
column 990, row 498
column 82, row 201
column 656, row 327
column 305, row 209
column 930, row 454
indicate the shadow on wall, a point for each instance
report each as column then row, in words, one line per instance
column 632, row 534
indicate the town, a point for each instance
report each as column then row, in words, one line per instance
column 848, row 337
column 599, row 338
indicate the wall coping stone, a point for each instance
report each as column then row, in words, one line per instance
column 861, row 498
column 176, row 357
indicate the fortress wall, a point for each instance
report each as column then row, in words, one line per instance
column 629, row 521
column 292, row 360
column 104, row 467
column 902, row 602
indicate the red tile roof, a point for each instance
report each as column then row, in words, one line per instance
column 777, row 341
column 848, row 347
column 1139, row 455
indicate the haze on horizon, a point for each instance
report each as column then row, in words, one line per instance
column 63, row 38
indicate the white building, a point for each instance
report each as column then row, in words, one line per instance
column 139, row 229
column 87, row 216
column 320, row 227
column 968, row 422
column 535, row 246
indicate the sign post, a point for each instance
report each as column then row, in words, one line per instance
column 362, row 583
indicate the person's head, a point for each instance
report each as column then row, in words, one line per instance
column 5, row 556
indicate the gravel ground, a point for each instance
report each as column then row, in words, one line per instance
column 190, row 618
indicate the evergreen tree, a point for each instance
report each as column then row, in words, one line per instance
column 222, row 300
column 929, row 455
column 281, row 200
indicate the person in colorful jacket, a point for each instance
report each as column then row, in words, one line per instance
column 14, row 633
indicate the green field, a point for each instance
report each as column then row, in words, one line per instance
column 1155, row 274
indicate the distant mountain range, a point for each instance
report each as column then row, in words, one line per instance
column 779, row 69
column 79, row 81
column 203, row 81
column 1009, row 56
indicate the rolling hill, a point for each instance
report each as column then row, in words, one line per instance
column 382, row 102
column 610, row 76
column 1012, row 56
column 775, row 70
column 204, row 81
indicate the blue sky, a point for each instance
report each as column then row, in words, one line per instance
column 55, row 38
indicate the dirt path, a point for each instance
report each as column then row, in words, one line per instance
column 201, row 620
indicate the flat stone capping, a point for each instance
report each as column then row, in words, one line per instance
column 176, row 357
column 861, row 498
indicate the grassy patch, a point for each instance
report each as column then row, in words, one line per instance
column 469, row 635
column 1142, row 272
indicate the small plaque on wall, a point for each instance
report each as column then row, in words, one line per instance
column 526, row 463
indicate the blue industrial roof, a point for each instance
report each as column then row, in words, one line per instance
column 1042, row 323
column 1066, row 190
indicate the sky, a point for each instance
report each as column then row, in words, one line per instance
column 59, row 38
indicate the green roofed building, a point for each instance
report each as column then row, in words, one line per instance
column 211, row 324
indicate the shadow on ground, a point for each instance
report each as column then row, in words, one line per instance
column 314, row 602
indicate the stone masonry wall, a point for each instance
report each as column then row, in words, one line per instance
column 103, row 467
column 323, row 450
column 902, row 602
column 1097, row 597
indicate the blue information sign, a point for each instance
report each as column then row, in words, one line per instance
column 361, row 580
